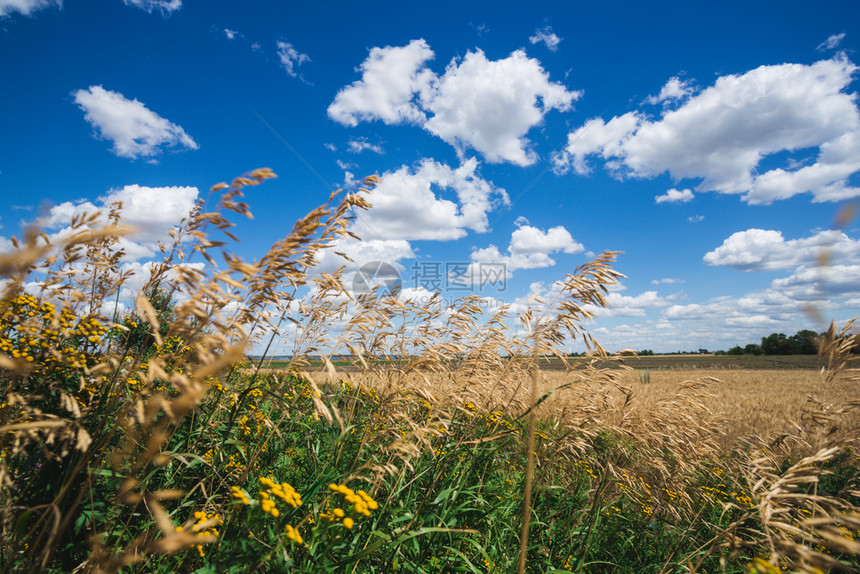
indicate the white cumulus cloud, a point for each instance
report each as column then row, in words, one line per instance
column 820, row 284
column 529, row 248
column 768, row 250
column 409, row 204
column 25, row 7
column 489, row 106
column 362, row 251
column 596, row 136
column 134, row 129
column 675, row 196
column 359, row 145
column 165, row 6
column 479, row 104
column 632, row 306
column 722, row 134
column 391, row 77
column 291, row 58
column 675, row 89
column 547, row 37
column 831, row 42
column 151, row 211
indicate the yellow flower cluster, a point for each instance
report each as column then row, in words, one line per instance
column 267, row 497
column 215, row 384
column 294, row 535
column 268, row 505
column 759, row 566
column 234, row 464
column 239, row 494
column 32, row 331
column 361, row 502
column 586, row 466
column 253, row 425
column 284, row 491
column 721, row 494
column 206, row 525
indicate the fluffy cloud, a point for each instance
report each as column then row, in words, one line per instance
column 527, row 239
column 675, row 89
column 25, row 7
column 597, row 136
column 488, row 106
column 530, row 248
column 767, row 250
column 763, row 304
column 675, row 196
column 359, row 145
column 391, row 77
column 151, row 211
column 406, row 204
column 165, row 6
column 820, row 284
column 134, row 130
column 547, row 37
column 491, row 105
column 781, row 306
column 360, row 252
column 754, row 322
column 666, row 281
column 722, row 134
column 831, row 42
column 290, row 58
column 5, row 247
column 632, row 306
column 618, row 305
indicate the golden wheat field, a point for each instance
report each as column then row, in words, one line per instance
column 739, row 404
column 752, row 401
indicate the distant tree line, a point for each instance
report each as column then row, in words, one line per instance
column 803, row 342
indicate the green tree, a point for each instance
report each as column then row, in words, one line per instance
column 778, row 344
column 806, row 342
column 752, row 349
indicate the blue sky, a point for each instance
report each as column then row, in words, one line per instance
column 713, row 145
